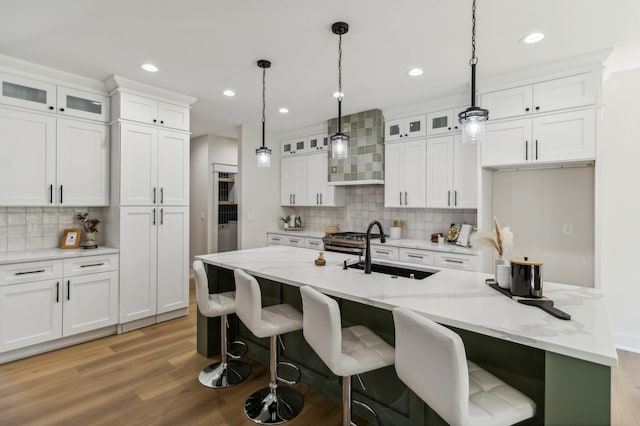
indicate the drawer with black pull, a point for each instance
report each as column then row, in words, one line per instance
column 90, row 265
column 16, row 273
column 421, row 257
column 456, row 261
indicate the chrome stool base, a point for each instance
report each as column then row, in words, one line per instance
column 269, row 406
column 224, row 375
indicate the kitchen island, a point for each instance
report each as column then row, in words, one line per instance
column 564, row 366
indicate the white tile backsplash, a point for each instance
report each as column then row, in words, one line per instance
column 365, row 203
column 31, row 228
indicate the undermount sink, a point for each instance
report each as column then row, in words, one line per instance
column 395, row 271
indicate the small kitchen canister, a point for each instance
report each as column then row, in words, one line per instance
column 526, row 277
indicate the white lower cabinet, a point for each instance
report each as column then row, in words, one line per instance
column 381, row 251
column 421, row 257
column 456, row 261
column 313, row 243
column 36, row 310
column 154, row 250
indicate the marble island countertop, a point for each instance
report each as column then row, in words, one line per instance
column 451, row 297
column 9, row 257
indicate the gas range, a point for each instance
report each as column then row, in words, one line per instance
column 347, row 242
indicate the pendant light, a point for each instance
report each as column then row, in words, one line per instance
column 263, row 154
column 474, row 118
column 339, row 141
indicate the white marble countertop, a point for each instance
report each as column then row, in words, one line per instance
column 402, row 243
column 451, row 297
column 51, row 253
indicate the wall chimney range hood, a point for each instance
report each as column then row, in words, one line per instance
column 365, row 162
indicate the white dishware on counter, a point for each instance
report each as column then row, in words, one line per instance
column 503, row 276
column 395, row 232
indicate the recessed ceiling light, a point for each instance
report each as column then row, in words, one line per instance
column 229, row 93
column 338, row 94
column 149, row 67
column 414, row 72
column 283, row 110
column 533, row 38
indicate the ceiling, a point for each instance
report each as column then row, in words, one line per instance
column 205, row 46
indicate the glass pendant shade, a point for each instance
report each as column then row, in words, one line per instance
column 263, row 156
column 473, row 122
column 339, row 146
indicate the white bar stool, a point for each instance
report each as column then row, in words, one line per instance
column 346, row 351
column 271, row 405
column 431, row 361
column 225, row 373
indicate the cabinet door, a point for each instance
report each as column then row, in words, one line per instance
column 508, row 103
column 27, row 158
column 394, row 174
column 138, row 262
column 287, row 148
column 173, row 258
column 564, row 137
column 83, row 163
column 415, row 127
column 440, row 122
column 568, row 92
column 174, row 116
column 138, row 165
column 78, row 103
column 415, row 174
column 28, row 93
column 465, row 174
column 300, row 194
column 30, row 313
column 90, row 302
column 319, row 142
column 394, row 129
column 287, row 178
column 173, row 168
column 507, row 143
column 138, row 108
column 440, row 172
column 316, row 178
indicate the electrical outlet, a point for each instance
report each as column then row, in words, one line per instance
column 567, row 229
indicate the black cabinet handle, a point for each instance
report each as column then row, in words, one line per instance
column 154, row 120
column 453, row 261
column 62, row 109
column 154, row 217
column 161, row 121
column 68, row 290
column 526, row 150
column 448, row 128
column 60, row 194
column 154, row 195
column 50, row 194
column 88, row 265
column 527, row 109
column 405, row 198
column 448, row 198
column 415, row 256
column 400, row 197
column 162, row 195
column 58, row 292
column 536, row 149
column 161, row 216
column 401, row 135
column 455, row 198
column 537, row 108
column 51, row 107
column 29, row 272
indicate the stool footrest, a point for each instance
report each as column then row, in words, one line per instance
column 243, row 353
column 366, row 407
column 295, row 367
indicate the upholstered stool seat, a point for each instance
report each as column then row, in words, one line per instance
column 273, row 404
column 346, row 351
column 224, row 373
column 431, row 361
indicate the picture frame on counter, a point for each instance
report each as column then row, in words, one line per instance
column 70, row 238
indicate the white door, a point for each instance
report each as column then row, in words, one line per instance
column 173, row 168
column 300, row 195
column 569, row 92
column 174, row 116
column 316, row 178
column 394, row 174
column 138, row 165
column 138, row 262
column 393, row 130
column 83, row 163
column 90, row 302
column 415, row 173
column 173, row 258
column 440, row 172
column 78, row 103
column 30, row 313
column 440, row 122
column 138, row 108
column 507, row 143
column 287, row 177
column 27, row 93
column 509, row 102
column 564, row 137
column 465, row 174
column 27, row 158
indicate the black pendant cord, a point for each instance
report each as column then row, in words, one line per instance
column 340, row 84
column 474, row 60
column 264, row 71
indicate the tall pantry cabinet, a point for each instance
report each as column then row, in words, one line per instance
column 150, row 193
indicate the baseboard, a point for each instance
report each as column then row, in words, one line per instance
column 145, row 322
column 56, row 344
column 627, row 343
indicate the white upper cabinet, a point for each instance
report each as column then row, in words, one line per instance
column 294, row 146
column 442, row 122
column 404, row 128
column 173, row 168
column 151, row 111
column 319, row 192
column 27, row 158
column 28, row 93
column 552, row 95
column 43, row 96
column 293, row 178
column 452, row 173
column 82, row 163
column 318, row 143
column 405, row 174
column 552, row 138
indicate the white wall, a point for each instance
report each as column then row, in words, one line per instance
column 618, row 204
column 259, row 189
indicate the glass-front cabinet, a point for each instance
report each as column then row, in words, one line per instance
column 294, row 146
column 78, row 103
column 319, row 142
column 404, row 128
column 28, row 93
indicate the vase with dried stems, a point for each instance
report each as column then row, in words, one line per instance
column 501, row 239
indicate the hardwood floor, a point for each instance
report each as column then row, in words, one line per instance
column 149, row 376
